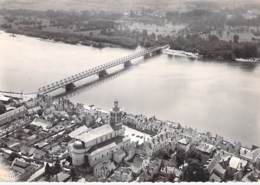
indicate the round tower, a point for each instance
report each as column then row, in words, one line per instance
column 78, row 153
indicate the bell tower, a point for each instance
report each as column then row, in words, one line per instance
column 116, row 117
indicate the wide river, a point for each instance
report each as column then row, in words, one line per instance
column 218, row 97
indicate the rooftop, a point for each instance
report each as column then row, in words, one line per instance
column 41, row 123
column 79, row 131
column 219, row 169
column 215, row 178
column 205, row 147
column 246, row 153
column 4, row 98
column 183, row 141
column 93, row 134
column 115, row 140
column 237, row 163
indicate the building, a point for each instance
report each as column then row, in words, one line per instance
column 102, row 145
column 153, row 168
column 19, row 165
column 99, row 135
column 119, row 155
column 122, row 174
column 137, row 165
column 206, row 151
column 103, row 169
column 163, row 141
column 106, row 152
column 78, row 153
column 183, row 144
column 116, row 117
column 236, row 165
column 63, row 177
column 45, row 125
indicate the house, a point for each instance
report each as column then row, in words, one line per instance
column 31, row 138
column 237, row 164
column 153, row 168
column 137, row 164
column 103, row 169
column 63, row 177
column 15, row 146
column 219, row 171
column 250, row 177
column 39, row 123
column 246, row 154
column 212, row 162
column 183, row 144
column 122, row 174
column 214, row 178
column 38, row 154
column 206, row 151
column 40, row 145
column 235, row 168
column 19, row 165
column 119, row 155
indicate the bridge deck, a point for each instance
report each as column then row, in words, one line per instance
column 89, row 72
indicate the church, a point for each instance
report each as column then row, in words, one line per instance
column 100, row 144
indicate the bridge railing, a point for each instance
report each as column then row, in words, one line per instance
column 94, row 70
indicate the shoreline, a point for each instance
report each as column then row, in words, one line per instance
column 170, row 122
column 82, row 40
column 72, row 39
column 160, row 125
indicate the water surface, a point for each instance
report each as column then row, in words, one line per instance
column 218, row 97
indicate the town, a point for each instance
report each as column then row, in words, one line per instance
column 55, row 140
column 48, row 136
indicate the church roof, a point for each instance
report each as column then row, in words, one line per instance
column 93, row 134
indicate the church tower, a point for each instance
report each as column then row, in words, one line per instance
column 116, row 117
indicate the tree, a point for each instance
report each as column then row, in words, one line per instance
column 73, row 174
column 47, row 171
column 12, row 156
column 180, row 158
column 57, row 167
column 2, row 108
column 194, row 172
column 193, row 155
column 213, row 38
column 236, row 38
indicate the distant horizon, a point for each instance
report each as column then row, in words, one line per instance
column 112, row 5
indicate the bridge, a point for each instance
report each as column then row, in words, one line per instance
column 68, row 82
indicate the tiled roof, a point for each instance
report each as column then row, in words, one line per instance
column 95, row 133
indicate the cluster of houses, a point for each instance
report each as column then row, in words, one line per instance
column 85, row 143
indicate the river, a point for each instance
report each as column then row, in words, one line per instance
column 211, row 96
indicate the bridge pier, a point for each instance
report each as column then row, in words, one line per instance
column 127, row 64
column 102, row 74
column 69, row 87
column 158, row 52
column 148, row 55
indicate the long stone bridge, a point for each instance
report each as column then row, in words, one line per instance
column 68, row 83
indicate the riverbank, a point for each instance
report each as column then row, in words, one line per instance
column 100, row 41
column 72, row 38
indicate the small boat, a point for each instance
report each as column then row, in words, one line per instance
column 249, row 60
column 180, row 53
column 13, row 35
